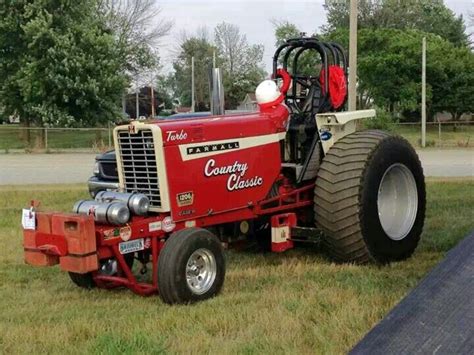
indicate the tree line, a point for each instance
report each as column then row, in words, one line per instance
column 390, row 34
column 229, row 50
column 72, row 63
column 68, row 63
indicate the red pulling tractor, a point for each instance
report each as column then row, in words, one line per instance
column 297, row 170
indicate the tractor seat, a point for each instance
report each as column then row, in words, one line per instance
column 313, row 100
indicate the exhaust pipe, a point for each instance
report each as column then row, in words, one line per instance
column 136, row 202
column 216, row 92
column 116, row 213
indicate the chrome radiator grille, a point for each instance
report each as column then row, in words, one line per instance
column 139, row 169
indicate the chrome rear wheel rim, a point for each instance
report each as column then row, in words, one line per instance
column 397, row 201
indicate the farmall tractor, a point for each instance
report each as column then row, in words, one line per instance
column 297, row 170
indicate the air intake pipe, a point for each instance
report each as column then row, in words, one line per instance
column 136, row 202
column 116, row 213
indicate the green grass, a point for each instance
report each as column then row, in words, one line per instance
column 14, row 138
column 461, row 137
column 296, row 302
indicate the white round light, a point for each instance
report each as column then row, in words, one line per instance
column 267, row 91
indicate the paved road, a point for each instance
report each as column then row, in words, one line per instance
column 18, row 169
column 447, row 162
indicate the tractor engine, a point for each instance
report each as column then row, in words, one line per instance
column 179, row 165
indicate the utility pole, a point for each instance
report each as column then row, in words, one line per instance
column 353, row 56
column 152, row 101
column 124, row 103
column 214, row 60
column 137, row 109
column 423, row 94
column 193, row 103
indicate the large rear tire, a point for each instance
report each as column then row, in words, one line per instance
column 370, row 198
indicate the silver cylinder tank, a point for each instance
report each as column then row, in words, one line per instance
column 136, row 202
column 104, row 212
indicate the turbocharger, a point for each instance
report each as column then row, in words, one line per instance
column 114, row 207
column 104, row 212
column 136, row 202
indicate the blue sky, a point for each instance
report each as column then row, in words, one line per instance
column 253, row 18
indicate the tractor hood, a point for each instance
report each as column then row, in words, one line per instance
column 212, row 128
column 235, row 157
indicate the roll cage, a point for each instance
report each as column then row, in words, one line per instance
column 308, row 93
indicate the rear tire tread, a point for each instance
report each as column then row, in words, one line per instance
column 340, row 244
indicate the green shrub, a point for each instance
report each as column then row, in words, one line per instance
column 383, row 120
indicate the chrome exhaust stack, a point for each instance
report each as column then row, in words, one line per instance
column 216, row 92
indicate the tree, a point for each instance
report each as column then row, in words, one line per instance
column 430, row 16
column 137, row 28
column 455, row 92
column 202, row 51
column 145, row 102
column 58, row 63
column 308, row 61
column 389, row 71
column 284, row 30
column 240, row 61
column 163, row 87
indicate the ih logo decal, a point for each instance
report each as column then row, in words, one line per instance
column 132, row 129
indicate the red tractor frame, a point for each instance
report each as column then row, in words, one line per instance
column 297, row 170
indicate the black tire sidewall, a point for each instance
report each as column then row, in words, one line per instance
column 178, row 259
column 382, row 248
column 82, row 280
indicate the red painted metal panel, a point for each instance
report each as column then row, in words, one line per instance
column 218, row 183
column 182, row 131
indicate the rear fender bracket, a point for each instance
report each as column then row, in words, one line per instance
column 332, row 126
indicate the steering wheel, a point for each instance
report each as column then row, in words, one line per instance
column 305, row 81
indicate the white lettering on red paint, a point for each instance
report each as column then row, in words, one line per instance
column 236, row 172
column 176, row 136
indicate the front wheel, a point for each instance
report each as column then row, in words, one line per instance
column 191, row 266
column 108, row 267
column 370, row 198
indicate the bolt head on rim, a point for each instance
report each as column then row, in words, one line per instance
column 397, row 201
column 201, row 271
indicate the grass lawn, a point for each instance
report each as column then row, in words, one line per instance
column 296, row 302
column 462, row 137
column 13, row 138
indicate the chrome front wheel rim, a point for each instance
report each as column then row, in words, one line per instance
column 397, row 201
column 201, row 271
